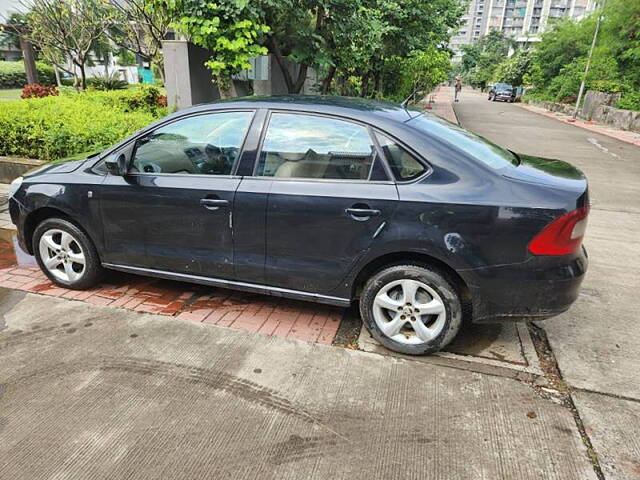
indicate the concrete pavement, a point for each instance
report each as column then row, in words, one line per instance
column 95, row 392
column 596, row 341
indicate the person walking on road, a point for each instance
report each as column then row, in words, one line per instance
column 457, row 87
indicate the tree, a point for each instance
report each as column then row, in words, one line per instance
column 480, row 60
column 68, row 30
column 353, row 45
column 140, row 27
column 229, row 29
column 513, row 69
column 423, row 70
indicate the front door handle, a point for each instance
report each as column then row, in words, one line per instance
column 362, row 213
column 213, row 203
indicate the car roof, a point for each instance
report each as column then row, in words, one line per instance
column 350, row 107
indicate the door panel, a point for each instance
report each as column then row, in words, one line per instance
column 173, row 211
column 159, row 222
column 322, row 210
column 312, row 241
column 249, row 229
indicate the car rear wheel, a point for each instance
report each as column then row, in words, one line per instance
column 411, row 309
column 66, row 254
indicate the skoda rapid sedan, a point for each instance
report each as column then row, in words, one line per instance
column 330, row 200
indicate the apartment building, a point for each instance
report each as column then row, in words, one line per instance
column 522, row 20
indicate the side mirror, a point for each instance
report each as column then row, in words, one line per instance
column 117, row 164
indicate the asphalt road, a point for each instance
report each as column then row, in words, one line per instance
column 596, row 341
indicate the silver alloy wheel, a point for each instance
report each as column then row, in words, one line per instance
column 62, row 255
column 409, row 312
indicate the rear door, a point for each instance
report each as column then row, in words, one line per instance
column 328, row 197
column 173, row 211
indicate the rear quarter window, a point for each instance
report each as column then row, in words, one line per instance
column 479, row 148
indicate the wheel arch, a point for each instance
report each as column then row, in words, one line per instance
column 412, row 258
column 37, row 216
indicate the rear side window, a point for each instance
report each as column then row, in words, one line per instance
column 311, row 146
column 200, row 145
column 403, row 165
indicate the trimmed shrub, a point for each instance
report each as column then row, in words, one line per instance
column 12, row 74
column 57, row 127
column 107, row 82
column 38, row 91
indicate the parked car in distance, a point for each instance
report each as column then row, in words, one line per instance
column 502, row 92
column 326, row 199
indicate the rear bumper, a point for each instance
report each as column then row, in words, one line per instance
column 541, row 287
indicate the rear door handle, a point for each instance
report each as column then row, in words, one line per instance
column 362, row 213
column 213, row 203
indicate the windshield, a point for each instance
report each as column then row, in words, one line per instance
column 503, row 86
column 479, row 148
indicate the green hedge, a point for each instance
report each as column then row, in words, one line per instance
column 56, row 127
column 12, row 74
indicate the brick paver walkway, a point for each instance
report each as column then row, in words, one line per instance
column 439, row 102
column 256, row 313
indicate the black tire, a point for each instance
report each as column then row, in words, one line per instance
column 433, row 278
column 92, row 272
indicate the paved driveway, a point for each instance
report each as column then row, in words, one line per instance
column 596, row 341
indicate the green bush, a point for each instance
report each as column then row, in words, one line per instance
column 107, row 82
column 629, row 101
column 12, row 74
column 51, row 128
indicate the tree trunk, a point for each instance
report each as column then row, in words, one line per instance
column 56, row 71
column 83, row 76
column 302, row 76
column 29, row 60
column 226, row 87
column 365, row 84
column 105, row 59
column 273, row 47
column 326, row 82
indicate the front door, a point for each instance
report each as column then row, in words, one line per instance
column 173, row 210
column 328, row 199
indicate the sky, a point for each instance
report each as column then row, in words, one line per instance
column 8, row 6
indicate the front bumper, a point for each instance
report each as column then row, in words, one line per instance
column 18, row 215
column 541, row 287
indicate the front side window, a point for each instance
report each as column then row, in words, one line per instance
column 403, row 165
column 309, row 146
column 199, row 145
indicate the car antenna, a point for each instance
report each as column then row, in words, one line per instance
column 406, row 100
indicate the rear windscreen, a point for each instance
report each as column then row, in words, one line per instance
column 479, row 148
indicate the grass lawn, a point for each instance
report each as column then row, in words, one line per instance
column 13, row 94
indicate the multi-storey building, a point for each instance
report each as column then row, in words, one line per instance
column 522, row 20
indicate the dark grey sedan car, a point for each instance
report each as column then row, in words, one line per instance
column 502, row 92
column 331, row 200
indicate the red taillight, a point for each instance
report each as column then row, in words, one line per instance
column 563, row 235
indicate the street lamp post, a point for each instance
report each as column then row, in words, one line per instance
column 586, row 70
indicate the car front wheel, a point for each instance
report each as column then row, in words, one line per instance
column 66, row 254
column 411, row 309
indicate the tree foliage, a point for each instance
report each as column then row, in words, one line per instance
column 480, row 60
column 68, row 30
column 139, row 28
column 555, row 66
column 228, row 29
column 354, row 46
